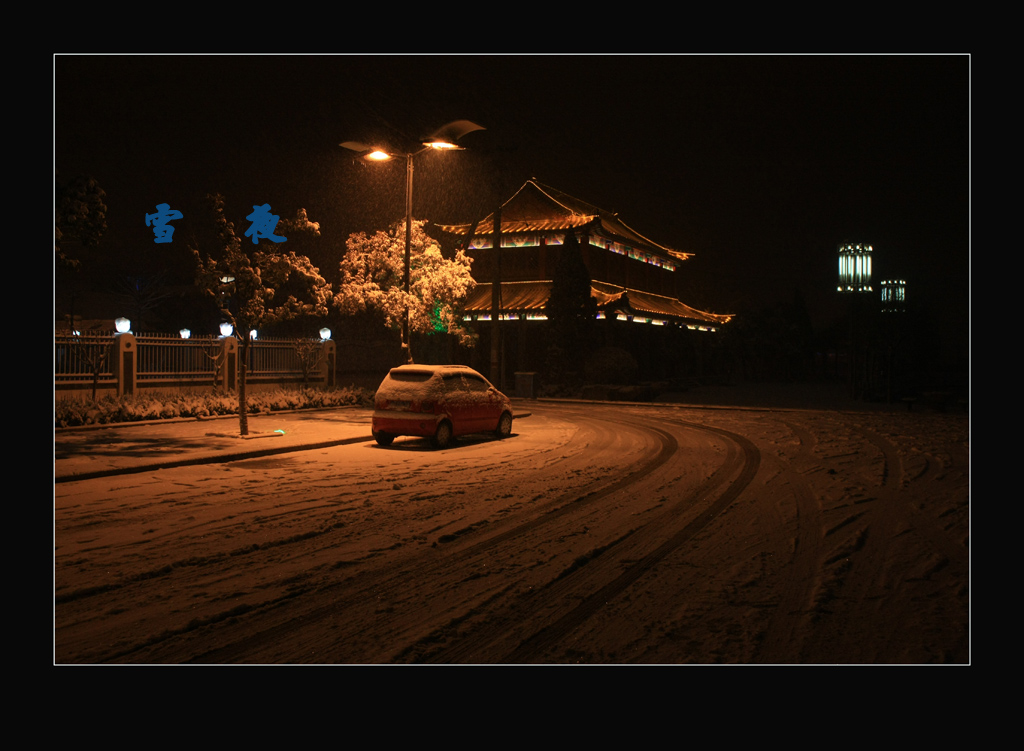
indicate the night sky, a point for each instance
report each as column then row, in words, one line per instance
column 758, row 165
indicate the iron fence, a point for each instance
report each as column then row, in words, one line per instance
column 83, row 358
column 273, row 358
column 164, row 356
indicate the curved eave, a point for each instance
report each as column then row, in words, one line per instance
column 486, row 227
column 659, row 305
column 618, row 228
column 526, row 297
column 540, row 208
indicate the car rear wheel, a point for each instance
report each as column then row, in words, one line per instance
column 504, row 429
column 442, row 436
column 383, row 439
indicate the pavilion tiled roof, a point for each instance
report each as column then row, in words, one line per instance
column 657, row 305
column 541, row 208
column 526, row 297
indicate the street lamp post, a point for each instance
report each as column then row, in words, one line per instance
column 442, row 140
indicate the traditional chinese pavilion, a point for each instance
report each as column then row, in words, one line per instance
column 634, row 280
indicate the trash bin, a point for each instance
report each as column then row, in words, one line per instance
column 526, row 385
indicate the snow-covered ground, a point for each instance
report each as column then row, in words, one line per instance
column 596, row 534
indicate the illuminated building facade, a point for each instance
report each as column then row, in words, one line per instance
column 894, row 295
column 634, row 280
column 854, row 268
column 631, row 275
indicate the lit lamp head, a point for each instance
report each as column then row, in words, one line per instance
column 123, row 325
column 369, row 153
column 325, row 333
column 443, row 139
column 226, row 329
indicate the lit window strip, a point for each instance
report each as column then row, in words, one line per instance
column 600, row 316
column 533, row 240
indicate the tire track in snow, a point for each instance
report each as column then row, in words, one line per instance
column 598, row 583
column 534, row 648
column 783, row 636
column 456, row 566
column 868, row 565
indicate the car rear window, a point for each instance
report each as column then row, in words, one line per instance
column 410, row 376
column 408, row 385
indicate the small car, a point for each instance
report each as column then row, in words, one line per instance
column 439, row 402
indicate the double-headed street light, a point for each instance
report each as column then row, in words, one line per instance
column 442, row 140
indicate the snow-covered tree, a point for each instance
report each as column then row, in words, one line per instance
column 372, row 274
column 258, row 285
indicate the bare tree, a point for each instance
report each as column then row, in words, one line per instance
column 259, row 286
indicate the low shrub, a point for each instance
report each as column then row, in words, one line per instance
column 75, row 412
column 611, row 365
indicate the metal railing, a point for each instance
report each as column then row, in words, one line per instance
column 91, row 357
column 163, row 356
column 80, row 358
column 273, row 357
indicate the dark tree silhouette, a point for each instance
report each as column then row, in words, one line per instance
column 80, row 215
column 570, row 310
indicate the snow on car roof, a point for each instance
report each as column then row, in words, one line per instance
column 414, row 368
column 419, row 381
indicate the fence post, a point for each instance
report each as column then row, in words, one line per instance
column 125, row 363
column 229, row 363
column 329, row 355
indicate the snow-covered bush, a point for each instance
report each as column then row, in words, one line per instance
column 75, row 412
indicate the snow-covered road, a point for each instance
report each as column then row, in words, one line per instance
column 597, row 533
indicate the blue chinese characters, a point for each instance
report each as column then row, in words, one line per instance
column 263, row 224
column 159, row 222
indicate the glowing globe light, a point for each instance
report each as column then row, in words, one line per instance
column 252, row 334
column 226, row 329
column 185, row 333
column 325, row 333
column 123, row 325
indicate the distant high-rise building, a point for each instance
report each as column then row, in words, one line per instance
column 894, row 295
column 854, row 267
